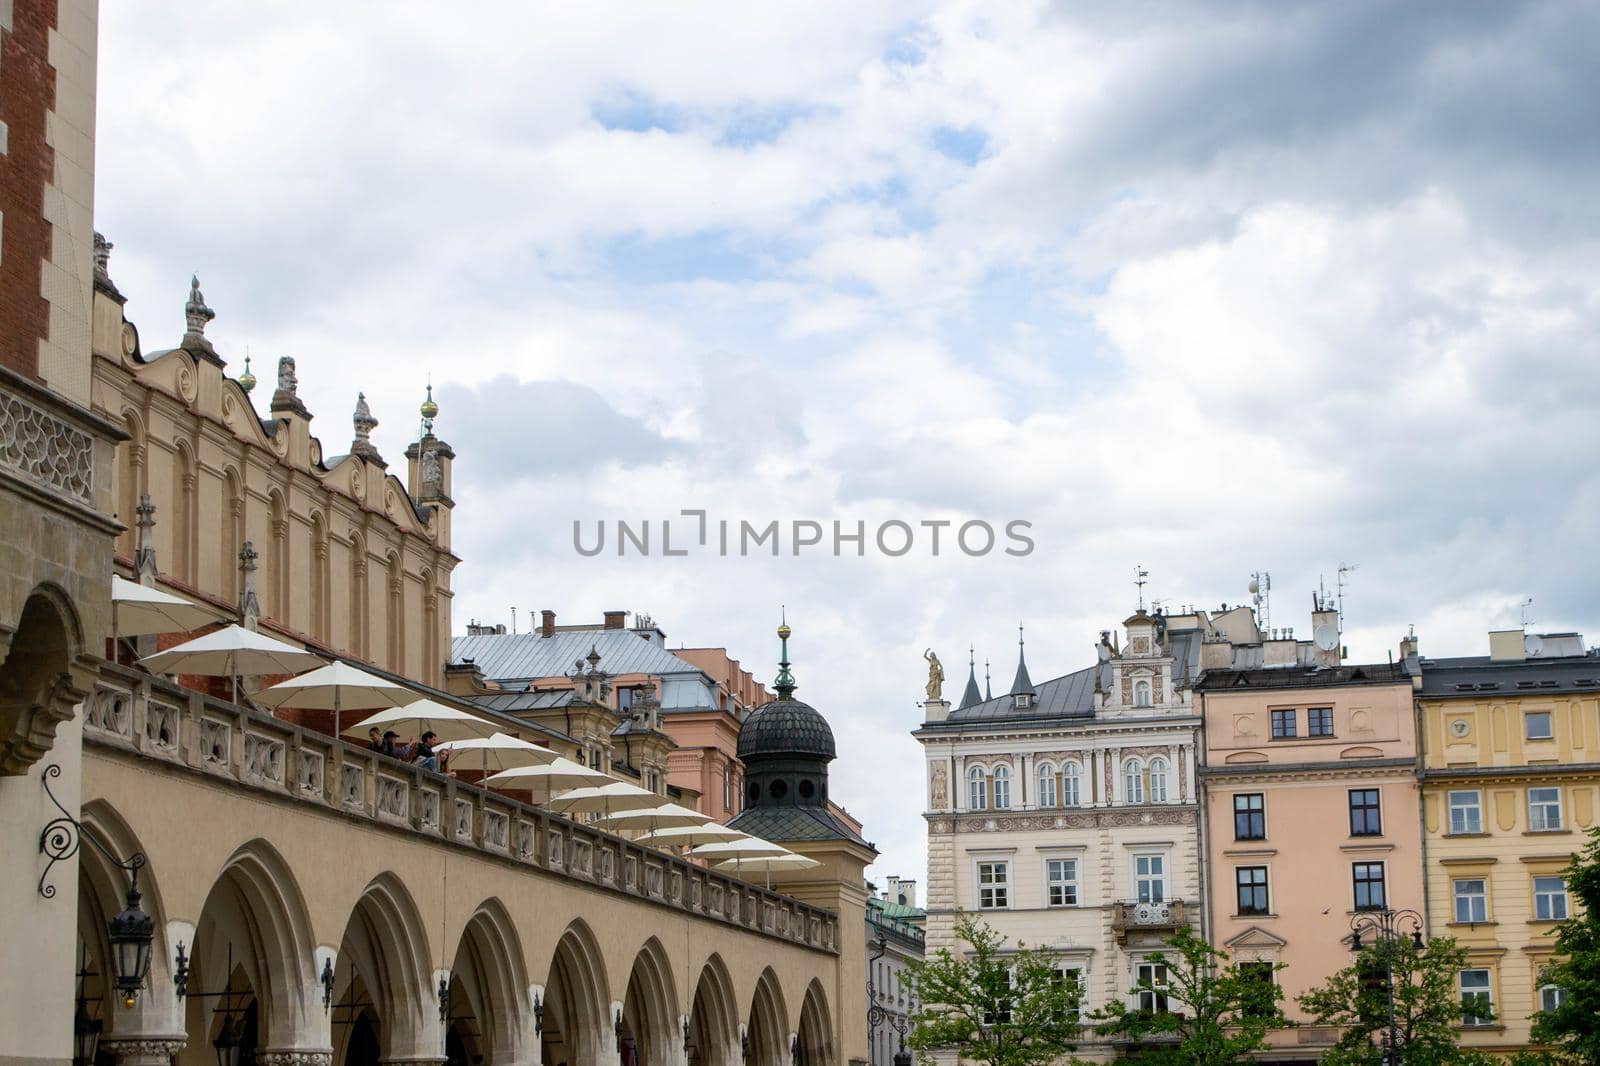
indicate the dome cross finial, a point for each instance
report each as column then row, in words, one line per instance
column 785, row 680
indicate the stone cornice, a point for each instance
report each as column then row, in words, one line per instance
column 1318, row 771
column 1179, row 814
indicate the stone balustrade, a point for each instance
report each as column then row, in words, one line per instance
column 152, row 718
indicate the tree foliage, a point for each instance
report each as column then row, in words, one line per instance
column 1427, row 1005
column 1572, row 1026
column 1217, row 1011
column 992, row 1004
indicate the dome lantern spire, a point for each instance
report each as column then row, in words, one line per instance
column 784, row 683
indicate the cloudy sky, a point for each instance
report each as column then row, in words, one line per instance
column 1258, row 286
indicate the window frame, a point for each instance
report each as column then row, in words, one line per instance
column 1252, row 816
column 1000, row 787
column 1356, row 881
column 1371, row 813
column 1072, row 883
column 1155, row 1001
column 977, row 789
column 1284, row 722
column 1158, row 770
column 1476, row 808
column 1549, row 722
column 1485, row 995
column 998, row 888
column 1071, row 773
column 1133, row 781
column 1045, row 781
column 1315, row 715
column 1560, row 996
column 1559, row 825
column 1257, row 889
column 1481, row 897
column 1153, row 878
column 1540, row 895
column 1142, row 693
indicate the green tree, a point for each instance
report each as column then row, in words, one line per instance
column 1207, row 1010
column 1571, row 1026
column 1428, row 1009
column 991, row 1004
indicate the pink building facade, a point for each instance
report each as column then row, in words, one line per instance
column 1310, row 815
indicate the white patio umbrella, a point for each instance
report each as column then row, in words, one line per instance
column 137, row 610
column 690, row 835
column 617, row 796
column 665, row 816
column 745, row 847
column 560, row 773
column 768, row 864
column 425, row 716
column 335, row 687
column 501, row 750
column 232, row 652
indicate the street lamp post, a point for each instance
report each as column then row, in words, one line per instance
column 1387, row 927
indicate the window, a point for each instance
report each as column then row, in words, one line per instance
column 1002, row 788
column 1047, row 785
column 1069, row 785
column 1061, row 882
column 1365, row 818
column 1260, row 977
column 1141, row 693
column 1466, row 812
column 977, row 789
column 1368, row 878
column 1151, row 980
column 1472, row 901
column 1283, row 724
column 1073, row 978
column 1002, row 1014
column 1251, row 884
column 1133, row 781
column 1549, row 899
column 1150, row 878
column 1476, row 1002
column 1544, row 809
column 1250, row 816
column 994, row 886
column 1552, row 997
column 1319, row 722
column 1537, row 724
column 1158, row 780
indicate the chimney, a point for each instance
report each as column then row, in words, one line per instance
column 616, row 619
column 1507, row 645
column 547, row 623
column 1408, row 646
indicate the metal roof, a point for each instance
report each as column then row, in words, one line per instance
column 527, row 656
column 778, row 824
column 1281, row 677
column 784, row 728
column 1469, row 676
column 1071, row 696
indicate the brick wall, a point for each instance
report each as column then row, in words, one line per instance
column 27, row 94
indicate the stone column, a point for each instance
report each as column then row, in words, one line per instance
column 294, row 1057
column 144, row 1050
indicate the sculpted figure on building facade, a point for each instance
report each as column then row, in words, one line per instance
column 940, row 793
column 935, row 675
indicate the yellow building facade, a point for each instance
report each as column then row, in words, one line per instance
column 1510, row 783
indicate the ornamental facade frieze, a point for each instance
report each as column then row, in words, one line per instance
column 1110, row 818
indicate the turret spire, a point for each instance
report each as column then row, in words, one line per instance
column 785, row 680
column 1022, row 683
column 971, row 696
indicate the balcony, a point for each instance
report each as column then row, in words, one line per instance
column 1132, row 916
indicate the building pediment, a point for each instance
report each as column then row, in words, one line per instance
column 1255, row 938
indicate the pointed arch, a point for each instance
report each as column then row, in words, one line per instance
column 102, row 892
column 714, row 1017
column 650, row 1006
column 256, row 909
column 385, row 945
column 814, row 1033
column 768, row 1027
column 490, row 1012
column 577, row 1016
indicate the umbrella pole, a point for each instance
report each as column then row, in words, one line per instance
column 336, row 734
column 233, row 672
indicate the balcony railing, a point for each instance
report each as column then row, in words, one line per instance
column 147, row 716
column 1146, row 917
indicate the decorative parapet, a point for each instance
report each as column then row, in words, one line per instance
column 135, row 715
column 45, row 449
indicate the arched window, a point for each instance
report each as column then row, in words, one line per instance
column 977, row 789
column 1158, row 780
column 1047, row 785
column 184, row 485
column 277, row 605
column 229, row 583
column 1002, row 788
column 1069, row 785
column 1133, row 781
column 1141, row 693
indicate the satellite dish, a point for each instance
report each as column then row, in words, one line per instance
column 1532, row 644
column 1326, row 636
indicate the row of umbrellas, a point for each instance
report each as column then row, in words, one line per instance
column 505, row 761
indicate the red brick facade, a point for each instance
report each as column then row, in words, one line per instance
column 27, row 94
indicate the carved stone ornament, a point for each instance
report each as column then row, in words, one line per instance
column 46, row 450
column 940, row 790
column 144, row 1051
column 28, row 722
column 294, row 1057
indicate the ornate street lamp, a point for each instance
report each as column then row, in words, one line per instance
column 538, row 1014
column 1388, row 928
column 86, row 1029
column 229, row 1043
column 131, row 931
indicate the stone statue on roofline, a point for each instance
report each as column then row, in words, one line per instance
column 935, row 675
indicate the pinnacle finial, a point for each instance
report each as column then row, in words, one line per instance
column 247, row 380
column 195, row 311
column 430, row 411
column 784, row 682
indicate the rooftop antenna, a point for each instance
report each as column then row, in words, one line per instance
column 1344, row 568
column 1261, row 596
column 1527, row 617
column 1140, row 574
